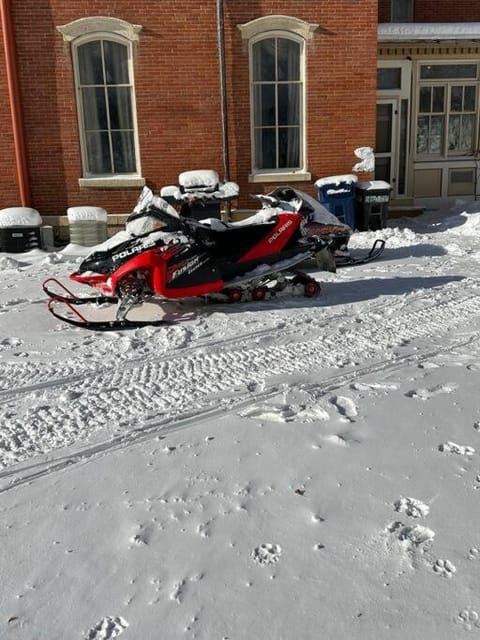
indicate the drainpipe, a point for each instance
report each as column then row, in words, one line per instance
column 15, row 102
column 223, row 95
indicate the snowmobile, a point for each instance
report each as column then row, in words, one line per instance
column 163, row 256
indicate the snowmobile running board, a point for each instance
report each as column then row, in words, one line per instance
column 376, row 250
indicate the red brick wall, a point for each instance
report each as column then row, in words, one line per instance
column 435, row 11
column 447, row 11
column 177, row 93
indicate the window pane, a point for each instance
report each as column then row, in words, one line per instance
column 264, row 105
column 90, row 63
column 382, row 169
column 454, row 133
column 288, row 104
column 456, row 98
column 265, row 157
column 120, row 108
column 288, row 147
column 98, row 153
column 264, row 60
column 469, row 98
column 401, row 10
column 123, row 152
column 453, row 71
column 94, row 108
column 288, row 53
column 422, row 134
column 383, row 142
column 438, row 101
column 436, row 134
column 425, row 99
column 389, row 79
column 466, row 138
column 116, row 62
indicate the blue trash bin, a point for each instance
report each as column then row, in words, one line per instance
column 337, row 194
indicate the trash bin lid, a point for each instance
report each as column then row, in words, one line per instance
column 377, row 185
column 336, row 180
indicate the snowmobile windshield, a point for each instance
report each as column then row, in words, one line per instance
column 154, row 214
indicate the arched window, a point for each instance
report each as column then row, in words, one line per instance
column 102, row 55
column 277, row 100
column 277, row 96
column 105, row 100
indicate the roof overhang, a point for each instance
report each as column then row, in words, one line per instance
column 428, row 31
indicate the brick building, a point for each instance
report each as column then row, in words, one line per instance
column 99, row 98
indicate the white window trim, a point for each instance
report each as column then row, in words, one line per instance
column 285, row 24
column 444, row 157
column 298, row 31
column 91, row 29
column 91, row 25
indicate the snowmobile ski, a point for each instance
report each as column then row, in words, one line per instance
column 348, row 261
column 78, row 319
column 67, row 296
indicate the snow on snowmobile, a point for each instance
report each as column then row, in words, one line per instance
column 163, row 256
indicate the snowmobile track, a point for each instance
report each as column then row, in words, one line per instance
column 154, row 428
column 215, row 374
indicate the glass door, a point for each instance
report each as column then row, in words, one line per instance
column 385, row 141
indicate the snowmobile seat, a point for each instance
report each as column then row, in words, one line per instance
column 264, row 216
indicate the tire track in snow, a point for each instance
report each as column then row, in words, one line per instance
column 204, row 378
column 30, row 377
column 155, row 428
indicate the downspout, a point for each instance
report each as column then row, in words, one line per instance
column 223, row 96
column 15, row 102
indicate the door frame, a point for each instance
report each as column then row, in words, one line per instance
column 396, row 97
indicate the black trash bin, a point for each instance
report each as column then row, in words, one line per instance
column 199, row 210
column 19, row 239
column 372, row 199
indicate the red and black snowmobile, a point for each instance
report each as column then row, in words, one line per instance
column 163, row 256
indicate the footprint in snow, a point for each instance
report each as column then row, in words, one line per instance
column 180, row 588
column 412, row 507
column 416, row 535
column 285, row 413
column 426, row 394
column 266, row 554
column 374, row 386
column 107, row 628
column 345, row 406
column 468, row 618
column 444, row 568
column 9, row 343
column 458, row 449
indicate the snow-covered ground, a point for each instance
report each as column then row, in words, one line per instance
column 275, row 471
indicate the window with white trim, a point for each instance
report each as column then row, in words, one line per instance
column 447, row 110
column 277, row 50
column 102, row 52
column 277, row 103
column 105, row 103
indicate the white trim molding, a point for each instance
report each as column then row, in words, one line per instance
column 286, row 24
column 406, row 31
column 85, row 26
